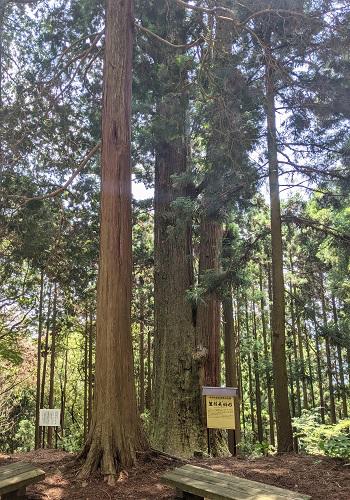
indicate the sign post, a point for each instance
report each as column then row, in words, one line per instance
column 220, row 409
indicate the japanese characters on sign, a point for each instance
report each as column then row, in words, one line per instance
column 50, row 418
column 220, row 406
column 220, row 412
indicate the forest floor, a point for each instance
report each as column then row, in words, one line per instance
column 320, row 477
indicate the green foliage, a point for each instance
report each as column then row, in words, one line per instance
column 252, row 449
column 317, row 438
column 9, row 353
column 73, row 439
column 25, row 435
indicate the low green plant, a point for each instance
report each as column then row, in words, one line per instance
column 317, row 438
column 253, row 449
column 25, row 435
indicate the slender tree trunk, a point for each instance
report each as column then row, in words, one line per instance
column 301, row 357
column 86, row 375
column 250, row 376
column 291, row 385
column 311, row 377
column 295, row 372
column 52, row 363
column 64, row 391
column 231, row 365
column 283, row 419
column 90, row 373
column 340, row 361
column 319, row 369
column 46, row 352
column 267, row 357
column 38, row 372
column 51, row 400
column 149, row 370
column 328, row 356
column 115, row 434
column 242, row 409
column 257, row 379
column 141, row 352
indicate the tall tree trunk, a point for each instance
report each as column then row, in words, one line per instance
column 86, row 354
column 231, row 365
column 283, row 419
column 328, row 355
column 250, row 376
column 257, row 378
column 319, row 368
column 340, row 361
column 115, row 434
column 149, row 370
column 90, row 373
column 295, row 372
column 141, row 351
column 311, row 377
column 52, row 363
column 301, row 356
column 38, row 370
column 267, row 357
column 46, row 352
column 64, row 391
column 176, row 401
column 208, row 311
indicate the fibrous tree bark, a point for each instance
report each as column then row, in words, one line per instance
column 208, row 310
column 115, row 435
column 176, row 405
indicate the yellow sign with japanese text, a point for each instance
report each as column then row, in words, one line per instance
column 220, row 412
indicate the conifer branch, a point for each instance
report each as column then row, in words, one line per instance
column 167, row 42
column 76, row 172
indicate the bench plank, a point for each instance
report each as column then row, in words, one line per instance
column 17, row 476
column 8, row 472
column 235, row 480
column 218, row 486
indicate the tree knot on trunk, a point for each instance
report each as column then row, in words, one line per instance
column 200, row 353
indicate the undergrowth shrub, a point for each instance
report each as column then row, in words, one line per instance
column 332, row 440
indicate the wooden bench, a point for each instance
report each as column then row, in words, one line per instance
column 193, row 482
column 15, row 477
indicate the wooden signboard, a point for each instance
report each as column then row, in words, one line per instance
column 50, row 418
column 220, row 412
column 220, row 408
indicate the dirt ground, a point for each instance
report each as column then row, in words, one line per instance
column 319, row 477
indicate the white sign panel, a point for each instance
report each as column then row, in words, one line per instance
column 50, row 418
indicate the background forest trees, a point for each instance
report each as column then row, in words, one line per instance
column 240, row 119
